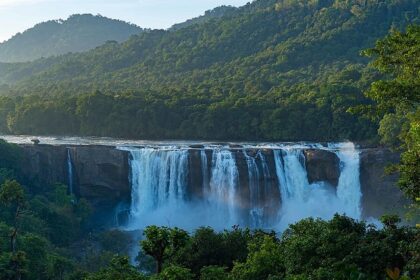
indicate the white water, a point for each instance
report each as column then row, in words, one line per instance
column 70, row 172
column 160, row 180
column 302, row 200
column 204, row 171
column 348, row 190
column 256, row 211
column 223, row 184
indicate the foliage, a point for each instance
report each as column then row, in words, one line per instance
column 119, row 268
column 397, row 100
column 162, row 243
column 310, row 249
column 175, row 273
column 213, row 273
column 208, row 15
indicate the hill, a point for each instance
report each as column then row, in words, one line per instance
column 76, row 34
column 208, row 15
column 270, row 70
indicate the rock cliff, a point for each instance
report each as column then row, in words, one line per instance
column 101, row 174
column 381, row 194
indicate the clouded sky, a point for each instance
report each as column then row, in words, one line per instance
column 19, row 15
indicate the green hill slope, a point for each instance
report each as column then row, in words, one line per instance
column 215, row 13
column 76, row 34
column 272, row 70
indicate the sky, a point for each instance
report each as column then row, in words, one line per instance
column 19, row 15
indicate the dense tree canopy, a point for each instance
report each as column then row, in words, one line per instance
column 311, row 249
column 270, row 70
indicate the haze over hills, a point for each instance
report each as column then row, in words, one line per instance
column 272, row 70
column 78, row 33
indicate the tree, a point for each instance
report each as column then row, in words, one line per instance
column 58, row 267
column 213, row 273
column 13, row 196
column 12, row 266
column 162, row 243
column 119, row 268
column 390, row 221
column 397, row 100
column 174, row 272
column 264, row 260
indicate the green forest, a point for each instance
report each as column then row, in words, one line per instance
column 270, row 70
column 78, row 33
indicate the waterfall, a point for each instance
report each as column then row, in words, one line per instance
column 161, row 182
column 292, row 174
column 223, row 184
column 301, row 199
column 256, row 212
column 348, row 190
column 204, row 171
column 70, row 172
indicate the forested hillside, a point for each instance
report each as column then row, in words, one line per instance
column 270, row 70
column 76, row 34
column 208, row 15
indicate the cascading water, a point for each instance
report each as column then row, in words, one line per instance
column 158, row 178
column 70, row 172
column 348, row 190
column 301, row 199
column 204, row 171
column 161, row 186
column 223, row 184
column 255, row 212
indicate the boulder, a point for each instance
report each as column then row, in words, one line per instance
column 322, row 166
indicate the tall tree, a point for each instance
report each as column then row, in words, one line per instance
column 397, row 101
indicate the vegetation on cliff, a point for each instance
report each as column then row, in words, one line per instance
column 397, row 102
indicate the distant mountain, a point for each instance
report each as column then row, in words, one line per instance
column 76, row 34
column 208, row 15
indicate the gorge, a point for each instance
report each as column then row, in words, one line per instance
column 189, row 184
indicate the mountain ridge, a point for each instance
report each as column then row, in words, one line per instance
column 77, row 33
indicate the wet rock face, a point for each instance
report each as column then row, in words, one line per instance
column 44, row 164
column 101, row 173
column 268, row 192
column 322, row 166
column 381, row 194
column 195, row 178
